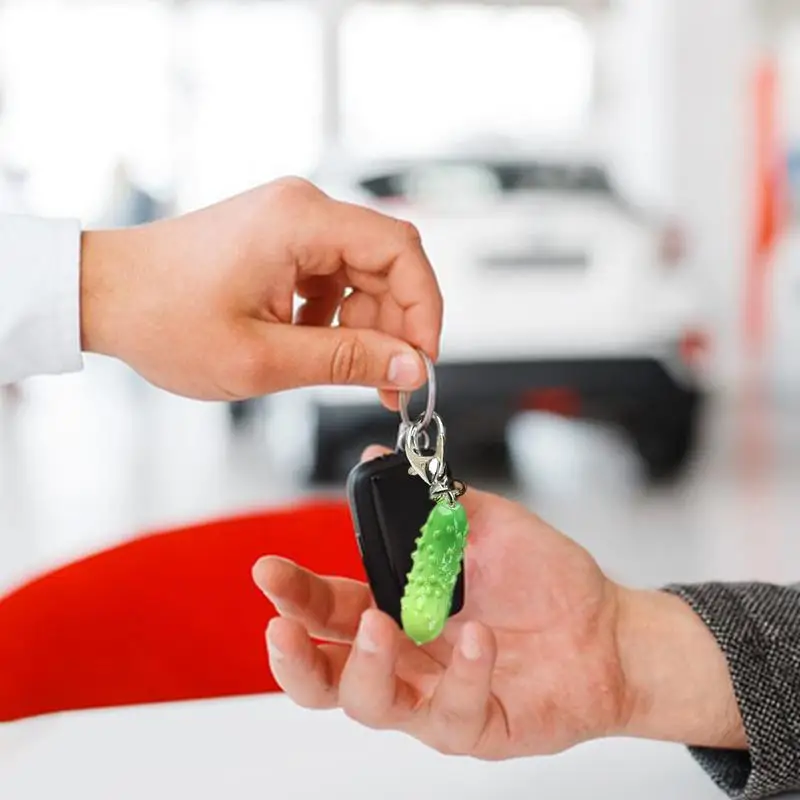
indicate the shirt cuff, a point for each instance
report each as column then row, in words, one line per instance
column 40, row 330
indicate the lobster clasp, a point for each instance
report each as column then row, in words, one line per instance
column 431, row 468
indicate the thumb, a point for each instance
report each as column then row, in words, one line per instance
column 374, row 451
column 475, row 501
column 314, row 356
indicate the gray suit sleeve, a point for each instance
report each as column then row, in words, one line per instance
column 758, row 628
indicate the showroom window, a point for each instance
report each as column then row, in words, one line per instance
column 416, row 77
column 79, row 93
column 257, row 71
column 194, row 94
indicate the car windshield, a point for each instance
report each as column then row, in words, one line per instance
column 551, row 178
column 485, row 178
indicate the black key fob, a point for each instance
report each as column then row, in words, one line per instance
column 389, row 507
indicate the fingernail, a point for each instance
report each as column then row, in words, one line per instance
column 470, row 644
column 365, row 639
column 404, row 371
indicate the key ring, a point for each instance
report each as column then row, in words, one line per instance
column 405, row 398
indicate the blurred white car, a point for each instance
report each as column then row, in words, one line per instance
column 558, row 297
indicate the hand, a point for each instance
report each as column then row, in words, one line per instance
column 546, row 653
column 202, row 305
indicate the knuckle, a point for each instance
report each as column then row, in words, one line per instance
column 294, row 190
column 369, row 718
column 447, row 747
column 317, row 702
column 350, row 362
column 350, row 711
column 305, row 257
column 453, row 719
column 455, row 731
column 409, row 232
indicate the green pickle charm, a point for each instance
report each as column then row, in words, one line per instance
column 437, row 562
column 439, row 555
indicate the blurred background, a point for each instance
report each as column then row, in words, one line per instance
column 608, row 191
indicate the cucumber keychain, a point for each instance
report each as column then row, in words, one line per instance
column 410, row 528
column 438, row 558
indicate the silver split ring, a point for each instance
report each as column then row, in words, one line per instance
column 405, row 398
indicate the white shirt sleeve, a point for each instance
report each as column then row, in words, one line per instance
column 39, row 297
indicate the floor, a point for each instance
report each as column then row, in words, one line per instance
column 254, row 749
column 92, row 459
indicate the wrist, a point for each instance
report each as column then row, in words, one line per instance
column 104, row 264
column 678, row 687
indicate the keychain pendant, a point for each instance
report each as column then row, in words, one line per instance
column 437, row 563
column 439, row 554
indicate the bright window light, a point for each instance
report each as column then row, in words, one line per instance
column 226, row 99
column 419, row 77
column 257, row 72
column 83, row 85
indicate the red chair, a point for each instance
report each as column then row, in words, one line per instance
column 167, row 617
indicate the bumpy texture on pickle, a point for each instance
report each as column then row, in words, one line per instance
column 437, row 563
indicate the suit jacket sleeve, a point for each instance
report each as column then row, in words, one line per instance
column 758, row 628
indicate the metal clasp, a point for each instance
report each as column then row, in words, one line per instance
column 431, row 468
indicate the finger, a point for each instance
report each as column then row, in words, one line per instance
column 390, row 399
column 459, row 706
column 308, row 673
column 374, row 284
column 329, row 608
column 372, row 243
column 362, row 310
column 391, row 319
column 473, row 501
column 374, row 451
column 359, row 310
column 369, row 689
column 295, row 356
column 323, row 297
column 488, row 512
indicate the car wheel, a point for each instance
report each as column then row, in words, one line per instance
column 666, row 445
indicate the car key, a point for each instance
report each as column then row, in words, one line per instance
column 411, row 529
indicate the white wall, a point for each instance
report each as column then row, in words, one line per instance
column 636, row 113
column 681, row 129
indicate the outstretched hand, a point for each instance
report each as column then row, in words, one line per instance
column 530, row 665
